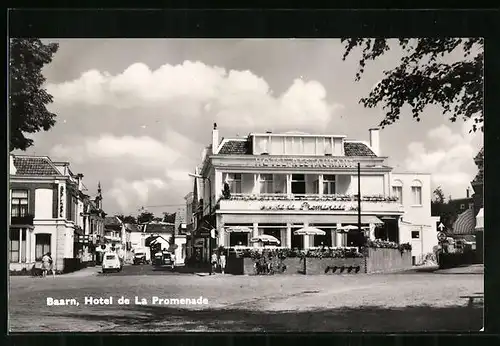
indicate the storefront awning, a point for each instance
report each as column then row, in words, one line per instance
column 299, row 219
column 238, row 229
column 480, row 220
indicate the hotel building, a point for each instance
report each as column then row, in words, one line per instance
column 281, row 182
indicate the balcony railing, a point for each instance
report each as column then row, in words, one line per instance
column 22, row 220
column 310, row 197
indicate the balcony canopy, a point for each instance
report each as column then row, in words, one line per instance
column 300, row 219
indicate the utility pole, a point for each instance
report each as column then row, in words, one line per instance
column 359, row 200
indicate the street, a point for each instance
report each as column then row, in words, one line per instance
column 390, row 302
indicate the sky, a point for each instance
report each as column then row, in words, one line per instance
column 136, row 114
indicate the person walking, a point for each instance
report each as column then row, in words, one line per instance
column 214, row 263
column 46, row 263
column 222, row 262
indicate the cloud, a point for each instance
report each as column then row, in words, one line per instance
column 237, row 99
column 451, row 161
column 142, row 150
column 134, row 194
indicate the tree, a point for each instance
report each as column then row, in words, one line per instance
column 438, row 196
column 145, row 217
column 127, row 219
column 423, row 78
column 28, row 99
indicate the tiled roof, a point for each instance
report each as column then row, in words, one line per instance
column 34, row 166
column 132, row 227
column 357, row 149
column 111, row 221
column 243, row 148
column 236, row 148
column 159, row 228
column 478, row 179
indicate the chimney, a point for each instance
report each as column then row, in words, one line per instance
column 13, row 169
column 215, row 139
column 375, row 140
column 468, row 193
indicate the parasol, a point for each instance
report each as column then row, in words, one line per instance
column 265, row 238
column 309, row 231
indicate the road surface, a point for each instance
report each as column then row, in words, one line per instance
column 379, row 303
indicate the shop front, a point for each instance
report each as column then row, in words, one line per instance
column 238, row 224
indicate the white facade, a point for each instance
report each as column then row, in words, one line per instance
column 46, row 198
column 282, row 182
column 417, row 226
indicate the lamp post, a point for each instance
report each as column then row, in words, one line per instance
column 359, row 201
column 197, row 176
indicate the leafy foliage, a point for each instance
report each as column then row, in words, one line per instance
column 145, row 216
column 423, row 78
column 438, row 196
column 127, row 219
column 27, row 98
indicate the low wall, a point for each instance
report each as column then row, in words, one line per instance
column 381, row 260
column 452, row 260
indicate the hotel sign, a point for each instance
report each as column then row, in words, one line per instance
column 304, row 206
column 305, row 162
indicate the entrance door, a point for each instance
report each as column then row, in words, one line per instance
column 297, row 241
column 416, row 246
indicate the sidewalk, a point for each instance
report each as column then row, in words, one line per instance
column 470, row 269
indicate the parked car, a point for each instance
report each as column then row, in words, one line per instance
column 111, row 262
column 164, row 258
column 140, row 258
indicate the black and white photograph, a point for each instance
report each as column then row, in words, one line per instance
column 246, row 185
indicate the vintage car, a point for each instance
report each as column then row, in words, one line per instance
column 164, row 258
column 111, row 262
column 140, row 258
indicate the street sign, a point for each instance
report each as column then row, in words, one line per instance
column 442, row 236
column 441, row 227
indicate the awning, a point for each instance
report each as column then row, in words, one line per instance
column 480, row 220
column 239, row 229
column 465, row 223
column 299, row 219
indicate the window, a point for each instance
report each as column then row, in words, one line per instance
column 234, row 182
column 416, row 191
column 415, row 234
column 329, row 185
column 266, row 183
column 16, row 245
column 19, row 203
column 397, row 190
column 42, row 245
column 462, row 206
column 298, row 184
column 238, row 239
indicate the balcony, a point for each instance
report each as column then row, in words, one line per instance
column 310, row 202
column 22, row 220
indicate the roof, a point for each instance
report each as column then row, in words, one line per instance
column 234, row 147
column 132, row 227
column 465, row 223
column 159, row 227
column 111, row 221
column 357, row 149
column 35, row 166
column 238, row 147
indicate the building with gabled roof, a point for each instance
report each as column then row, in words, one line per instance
column 49, row 212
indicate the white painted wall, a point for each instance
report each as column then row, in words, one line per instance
column 43, row 203
column 370, row 185
column 137, row 239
